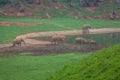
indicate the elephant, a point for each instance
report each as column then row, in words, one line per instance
column 57, row 39
column 18, row 42
column 85, row 29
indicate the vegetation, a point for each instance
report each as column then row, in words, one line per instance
column 58, row 8
column 104, row 65
column 45, row 1
column 3, row 2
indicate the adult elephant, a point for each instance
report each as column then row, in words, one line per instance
column 56, row 39
column 18, row 42
column 85, row 29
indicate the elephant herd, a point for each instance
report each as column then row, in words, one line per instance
column 58, row 39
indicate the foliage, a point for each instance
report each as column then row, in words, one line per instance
column 82, row 2
column 89, row 3
column 64, row 8
column 118, row 3
column 3, row 2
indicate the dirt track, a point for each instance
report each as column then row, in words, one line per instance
column 37, row 47
column 71, row 32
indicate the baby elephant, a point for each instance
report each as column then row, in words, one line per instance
column 80, row 40
column 91, row 41
column 18, row 42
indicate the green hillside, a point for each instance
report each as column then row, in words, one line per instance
column 104, row 65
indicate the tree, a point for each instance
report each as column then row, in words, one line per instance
column 85, row 3
column 89, row 3
column 29, row 1
column 37, row 1
column 13, row 2
column 3, row 2
column 118, row 4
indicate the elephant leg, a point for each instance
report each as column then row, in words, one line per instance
column 13, row 44
column 20, row 44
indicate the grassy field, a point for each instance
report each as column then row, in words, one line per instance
column 73, row 66
column 104, row 65
column 40, row 67
column 35, row 67
column 8, row 33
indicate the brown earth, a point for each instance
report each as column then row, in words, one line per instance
column 52, row 49
column 91, row 9
column 6, row 23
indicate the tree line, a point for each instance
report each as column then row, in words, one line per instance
column 83, row 3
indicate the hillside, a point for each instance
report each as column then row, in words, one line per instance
column 59, row 8
column 104, row 65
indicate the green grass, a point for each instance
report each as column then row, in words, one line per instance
column 103, row 65
column 7, row 34
column 34, row 67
